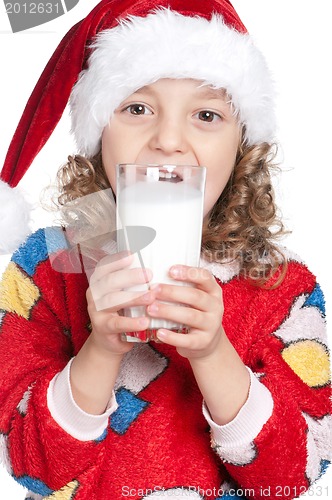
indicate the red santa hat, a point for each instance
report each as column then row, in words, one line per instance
column 119, row 47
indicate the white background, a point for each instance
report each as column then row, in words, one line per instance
column 296, row 39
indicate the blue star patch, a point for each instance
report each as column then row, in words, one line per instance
column 130, row 406
column 324, row 464
column 34, row 485
column 316, row 299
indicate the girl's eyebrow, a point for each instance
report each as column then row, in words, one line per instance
column 204, row 92
column 211, row 93
column 144, row 90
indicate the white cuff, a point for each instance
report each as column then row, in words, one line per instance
column 69, row 415
column 248, row 423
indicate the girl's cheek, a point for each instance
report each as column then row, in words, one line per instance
column 110, row 171
column 209, row 200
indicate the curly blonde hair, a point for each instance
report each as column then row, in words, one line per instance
column 243, row 225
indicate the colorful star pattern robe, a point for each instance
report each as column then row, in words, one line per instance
column 155, row 441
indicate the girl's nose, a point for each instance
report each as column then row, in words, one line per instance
column 169, row 137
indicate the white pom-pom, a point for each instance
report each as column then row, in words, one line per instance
column 14, row 218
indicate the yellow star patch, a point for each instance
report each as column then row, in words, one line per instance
column 18, row 293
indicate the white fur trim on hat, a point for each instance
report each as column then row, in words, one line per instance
column 14, row 218
column 166, row 44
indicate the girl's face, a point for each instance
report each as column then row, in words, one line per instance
column 175, row 122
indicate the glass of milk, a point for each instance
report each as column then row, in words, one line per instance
column 159, row 220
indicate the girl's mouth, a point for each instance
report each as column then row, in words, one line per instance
column 169, row 173
column 166, row 175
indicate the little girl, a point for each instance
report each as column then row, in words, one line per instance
column 240, row 405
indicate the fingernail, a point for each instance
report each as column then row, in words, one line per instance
column 155, row 287
column 147, row 297
column 175, row 271
column 144, row 322
column 161, row 335
column 153, row 308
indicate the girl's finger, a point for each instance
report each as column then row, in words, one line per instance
column 119, row 280
column 189, row 341
column 118, row 300
column 188, row 316
column 110, row 264
column 189, row 296
column 122, row 324
column 200, row 277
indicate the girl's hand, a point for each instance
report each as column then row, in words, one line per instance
column 203, row 314
column 106, row 296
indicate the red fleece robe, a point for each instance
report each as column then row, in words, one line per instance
column 154, row 440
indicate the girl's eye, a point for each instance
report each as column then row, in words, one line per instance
column 138, row 109
column 208, row 116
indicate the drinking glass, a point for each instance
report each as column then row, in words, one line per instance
column 159, row 220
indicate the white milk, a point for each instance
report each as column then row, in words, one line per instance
column 174, row 210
